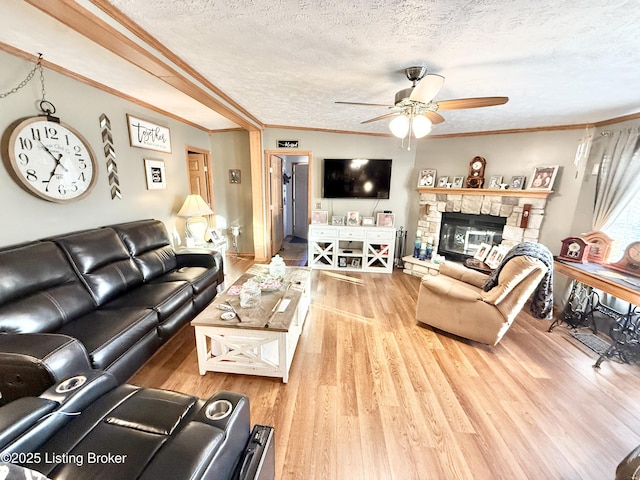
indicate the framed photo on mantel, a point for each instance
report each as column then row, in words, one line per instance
column 543, row 178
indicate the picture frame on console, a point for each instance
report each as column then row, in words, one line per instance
column 458, row 182
column 337, row 220
column 353, row 218
column 385, row 219
column 319, row 217
column 367, row 221
column 543, row 178
column 442, row 182
column 427, row 178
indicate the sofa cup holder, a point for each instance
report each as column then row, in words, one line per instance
column 218, row 410
column 71, row 384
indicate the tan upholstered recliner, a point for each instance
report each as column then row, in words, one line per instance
column 455, row 302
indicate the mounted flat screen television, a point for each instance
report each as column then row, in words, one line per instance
column 356, row 178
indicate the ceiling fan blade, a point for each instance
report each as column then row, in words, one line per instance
column 381, row 117
column 427, row 88
column 461, row 103
column 434, row 117
column 366, row 104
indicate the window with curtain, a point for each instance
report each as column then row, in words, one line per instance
column 617, row 200
column 626, row 228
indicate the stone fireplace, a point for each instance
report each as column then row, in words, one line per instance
column 506, row 204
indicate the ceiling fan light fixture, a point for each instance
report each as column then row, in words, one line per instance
column 399, row 126
column 421, row 126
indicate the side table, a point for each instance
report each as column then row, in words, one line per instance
column 220, row 247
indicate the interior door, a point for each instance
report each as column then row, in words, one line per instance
column 275, row 203
column 300, row 199
column 197, row 169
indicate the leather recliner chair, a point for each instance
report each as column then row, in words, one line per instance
column 454, row 300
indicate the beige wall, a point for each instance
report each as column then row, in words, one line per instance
column 233, row 201
column 25, row 217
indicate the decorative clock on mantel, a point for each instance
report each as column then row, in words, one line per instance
column 630, row 262
column 475, row 179
column 50, row 159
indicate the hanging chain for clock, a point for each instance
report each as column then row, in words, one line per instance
column 44, row 105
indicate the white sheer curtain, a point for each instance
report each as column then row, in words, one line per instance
column 618, row 180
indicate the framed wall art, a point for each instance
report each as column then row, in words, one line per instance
column 148, row 135
column 235, row 175
column 155, row 173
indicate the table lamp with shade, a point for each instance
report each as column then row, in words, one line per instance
column 194, row 208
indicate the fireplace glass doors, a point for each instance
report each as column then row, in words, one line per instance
column 461, row 234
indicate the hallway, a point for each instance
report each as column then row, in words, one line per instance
column 294, row 251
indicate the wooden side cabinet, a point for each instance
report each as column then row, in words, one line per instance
column 363, row 249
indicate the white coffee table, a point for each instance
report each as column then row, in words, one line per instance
column 263, row 341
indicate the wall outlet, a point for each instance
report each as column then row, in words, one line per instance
column 318, row 205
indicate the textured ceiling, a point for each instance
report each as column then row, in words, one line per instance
column 287, row 62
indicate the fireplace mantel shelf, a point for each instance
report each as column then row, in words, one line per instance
column 486, row 191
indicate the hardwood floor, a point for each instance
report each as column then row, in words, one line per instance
column 372, row 395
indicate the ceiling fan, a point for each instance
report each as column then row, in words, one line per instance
column 415, row 106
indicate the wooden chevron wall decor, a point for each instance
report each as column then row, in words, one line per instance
column 110, row 156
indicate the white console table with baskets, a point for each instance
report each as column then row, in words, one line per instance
column 362, row 249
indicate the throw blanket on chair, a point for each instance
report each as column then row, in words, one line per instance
column 542, row 302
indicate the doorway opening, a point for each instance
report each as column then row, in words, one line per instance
column 201, row 182
column 288, row 208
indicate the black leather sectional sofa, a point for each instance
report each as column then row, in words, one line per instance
column 79, row 313
column 115, row 293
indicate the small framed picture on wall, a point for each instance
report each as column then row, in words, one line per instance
column 235, row 175
column 155, row 173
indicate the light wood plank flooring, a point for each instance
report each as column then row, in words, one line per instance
column 372, row 395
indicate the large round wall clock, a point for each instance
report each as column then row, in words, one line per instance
column 50, row 159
